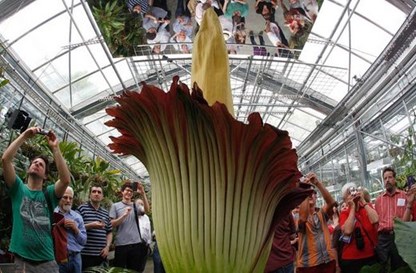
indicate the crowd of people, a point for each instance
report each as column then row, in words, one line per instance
column 49, row 236
column 297, row 16
column 343, row 237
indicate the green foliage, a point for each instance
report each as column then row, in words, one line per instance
column 85, row 173
column 3, row 80
column 375, row 268
column 407, row 160
column 405, row 234
column 121, row 30
column 404, row 157
column 100, row 174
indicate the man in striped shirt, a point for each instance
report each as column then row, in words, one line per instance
column 389, row 205
column 99, row 230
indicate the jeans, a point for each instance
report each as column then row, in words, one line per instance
column 157, row 261
column 74, row 264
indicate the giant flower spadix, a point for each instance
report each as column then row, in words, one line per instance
column 210, row 66
column 219, row 186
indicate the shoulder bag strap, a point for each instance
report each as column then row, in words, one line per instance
column 365, row 231
column 137, row 220
column 49, row 203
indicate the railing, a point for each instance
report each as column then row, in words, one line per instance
column 233, row 49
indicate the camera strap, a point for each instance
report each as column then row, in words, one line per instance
column 137, row 220
column 365, row 231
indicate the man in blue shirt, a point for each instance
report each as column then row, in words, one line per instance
column 76, row 235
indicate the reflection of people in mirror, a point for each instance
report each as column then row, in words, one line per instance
column 184, row 42
column 266, row 9
column 183, row 23
column 157, row 38
column 258, row 50
column 202, row 6
column 278, row 39
column 236, row 10
column 308, row 8
column 139, row 6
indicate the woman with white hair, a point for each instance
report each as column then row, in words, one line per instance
column 359, row 234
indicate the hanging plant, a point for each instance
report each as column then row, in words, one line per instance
column 121, row 30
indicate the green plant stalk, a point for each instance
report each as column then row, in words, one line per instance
column 217, row 183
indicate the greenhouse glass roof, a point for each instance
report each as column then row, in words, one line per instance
column 61, row 47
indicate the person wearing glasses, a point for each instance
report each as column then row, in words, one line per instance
column 131, row 242
column 99, row 230
column 74, row 233
column 359, row 233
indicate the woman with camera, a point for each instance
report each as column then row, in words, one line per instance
column 359, row 234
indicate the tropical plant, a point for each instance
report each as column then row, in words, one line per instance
column 121, row 30
column 99, row 173
column 3, row 80
column 219, row 186
column 405, row 233
column 405, row 158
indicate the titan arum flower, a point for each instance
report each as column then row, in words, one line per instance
column 219, row 186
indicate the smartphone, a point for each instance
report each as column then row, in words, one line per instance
column 410, row 181
column 134, row 186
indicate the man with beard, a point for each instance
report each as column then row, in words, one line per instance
column 389, row 205
column 31, row 240
column 74, row 229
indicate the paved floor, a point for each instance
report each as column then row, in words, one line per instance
column 149, row 266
